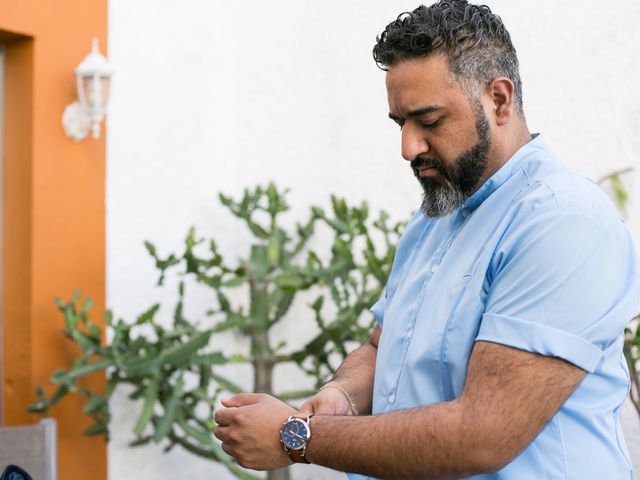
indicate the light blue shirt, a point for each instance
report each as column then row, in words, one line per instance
column 537, row 259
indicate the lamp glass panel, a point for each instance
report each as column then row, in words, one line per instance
column 86, row 98
column 106, row 84
column 93, row 101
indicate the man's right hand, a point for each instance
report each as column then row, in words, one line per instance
column 328, row 401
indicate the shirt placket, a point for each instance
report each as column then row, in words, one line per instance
column 435, row 261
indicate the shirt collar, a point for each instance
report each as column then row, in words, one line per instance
column 503, row 173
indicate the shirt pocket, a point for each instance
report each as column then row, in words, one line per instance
column 425, row 375
column 460, row 333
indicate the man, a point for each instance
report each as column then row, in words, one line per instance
column 498, row 348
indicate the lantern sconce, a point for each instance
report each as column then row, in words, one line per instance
column 93, row 77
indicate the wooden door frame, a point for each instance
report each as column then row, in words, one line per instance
column 53, row 208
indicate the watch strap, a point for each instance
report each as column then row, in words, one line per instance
column 298, row 456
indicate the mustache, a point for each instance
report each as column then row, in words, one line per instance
column 424, row 162
column 420, row 162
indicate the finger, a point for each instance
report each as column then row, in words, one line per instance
column 221, row 433
column 308, row 408
column 223, row 416
column 228, row 449
column 241, row 400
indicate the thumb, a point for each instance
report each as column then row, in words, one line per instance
column 240, row 400
column 308, row 407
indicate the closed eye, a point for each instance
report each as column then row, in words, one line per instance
column 431, row 125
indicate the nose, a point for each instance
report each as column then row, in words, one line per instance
column 413, row 144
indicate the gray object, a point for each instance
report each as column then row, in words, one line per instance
column 32, row 448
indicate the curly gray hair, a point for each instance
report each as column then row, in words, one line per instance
column 475, row 41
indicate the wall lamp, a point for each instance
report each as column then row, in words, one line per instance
column 93, row 78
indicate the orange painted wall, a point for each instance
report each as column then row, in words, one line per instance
column 54, row 213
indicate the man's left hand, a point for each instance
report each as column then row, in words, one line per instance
column 249, row 429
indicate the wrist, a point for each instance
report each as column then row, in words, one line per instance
column 337, row 386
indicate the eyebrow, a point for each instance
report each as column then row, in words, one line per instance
column 417, row 112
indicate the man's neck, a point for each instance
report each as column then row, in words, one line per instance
column 502, row 150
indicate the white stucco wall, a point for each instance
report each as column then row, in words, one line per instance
column 214, row 96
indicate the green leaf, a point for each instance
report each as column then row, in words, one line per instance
column 201, row 394
column 59, row 377
column 42, row 405
column 316, row 345
column 180, row 354
column 148, row 315
column 88, row 342
column 226, row 384
column 150, row 399
column 237, row 359
column 138, row 442
column 202, row 436
column 215, row 358
column 226, row 201
column 95, row 332
column 58, row 395
column 70, row 317
column 95, row 404
column 234, row 320
column 97, row 429
column 142, row 366
column 317, row 304
column 338, row 226
column 257, row 230
column 299, row 356
column 291, row 282
column 86, row 305
column 170, row 408
column 151, row 248
column 81, row 371
column 622, row 197
column 339, row 208
column 234, row 282
column 317, row 212
column 283, row 301
column 223, row 301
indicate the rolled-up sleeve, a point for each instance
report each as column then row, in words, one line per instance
column 562, row 286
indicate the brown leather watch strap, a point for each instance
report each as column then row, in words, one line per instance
column 298, row 456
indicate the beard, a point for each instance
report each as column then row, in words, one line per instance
column 459, row 178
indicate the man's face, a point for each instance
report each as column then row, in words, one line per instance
column 445, row 135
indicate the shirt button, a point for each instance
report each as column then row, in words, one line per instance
column 392, row 398
column 410, row 333
column 434, row 269
column 465, row 212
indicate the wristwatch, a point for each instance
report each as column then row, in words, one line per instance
column 295, row 436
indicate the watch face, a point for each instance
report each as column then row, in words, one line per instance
column 294, row 434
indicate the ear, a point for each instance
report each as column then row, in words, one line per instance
column 500, row 91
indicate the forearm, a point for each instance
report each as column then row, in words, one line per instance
column 508, row 398
column 427, row 442
column 356, row 373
